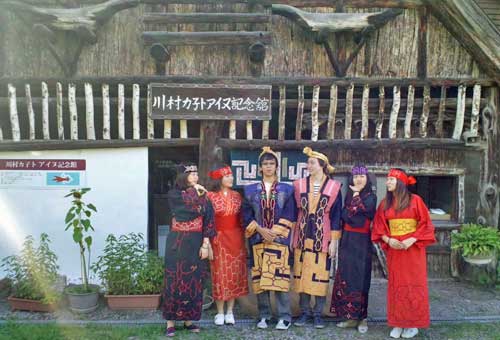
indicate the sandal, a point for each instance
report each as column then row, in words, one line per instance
column 170, row 331
column 192, row 328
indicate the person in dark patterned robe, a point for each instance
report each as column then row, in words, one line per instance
column 187, row 250
column 353, row 276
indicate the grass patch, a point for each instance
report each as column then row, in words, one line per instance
column 11, row 330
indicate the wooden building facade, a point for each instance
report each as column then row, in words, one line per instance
column 406, row 83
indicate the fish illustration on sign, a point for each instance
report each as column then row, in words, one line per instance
column 63, row 179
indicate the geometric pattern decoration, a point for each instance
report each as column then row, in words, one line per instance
column 292, row 165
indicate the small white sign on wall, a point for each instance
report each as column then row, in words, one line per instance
column 42, row 173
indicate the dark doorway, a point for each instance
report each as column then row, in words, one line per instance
column 162, row 172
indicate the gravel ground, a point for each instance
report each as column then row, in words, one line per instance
column 450, row 300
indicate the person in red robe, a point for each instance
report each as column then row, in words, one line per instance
column 403, row 227
column 228, row 267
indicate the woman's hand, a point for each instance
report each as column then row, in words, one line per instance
column 203, row 252
column 409, row 242
column 356, row 189
column 332, row 248
column 200, row 188
column 267, row 234
column 395, row 244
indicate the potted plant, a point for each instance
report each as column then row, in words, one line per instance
column 33, row 276
column 132, row 276
column 82, row 298
column 477, row 243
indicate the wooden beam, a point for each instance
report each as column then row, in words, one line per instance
column 348, row 111
column 193, row 18
column 45, row 111
column 468, row 23
column 314, row 114
column 31, row 113
column 476, row 105
column 332, row 112
column 121, row 111
column 393, row 119
column 136, row 96
column 106, row 118
column 27, row 145
column 381, row 112
column 300, row 3
column 89, row 111
column 397, row 143
column 73, row 111
column 14, row 118
column 459, row 121
column 275, row 81
column 409, row 111
column 206, row 38
column 364, row 112
column 425, row 112
column 300, row 113
column 282, row 113
column 59, row 111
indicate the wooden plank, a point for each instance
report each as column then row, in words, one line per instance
column 464, row 19
column 14, row 118
column 232, row 129
column 121, row 111
column 167, row 129
column 59, row 111
column 106, row 116
column 441, row 112
column 27, row 145
column 314, row 113
column 136, row 95
column 302, row 3
column 150, row 122
column 300, row 112
column 476, row 103
column 393, row 118
column 31, row 113
column 354, row 144
column 459, row 121
column 409, row 111
column 332, row 112
column 423, row 16
column 348, row 111
column 73, row 111
column 461, row 199
column 381, row 113
column 425, row 112
column 275, row 81
column 184, row 128
column 282, row 114
column 364, row 112
column 249, row 130
column 265, row 129
column 45, row 111
column 89, row 112
column 192, row 18
column 206, row 38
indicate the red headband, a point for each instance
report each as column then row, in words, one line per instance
column 219, row 173
column 407, row 180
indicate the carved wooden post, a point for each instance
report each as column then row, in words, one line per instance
column 300, row 113
column 45, row 111
column 488, row 208
column 106, row 120
column 14, row 118
column 31, row 113
column 332, row 112
column 314, row 113
column 210, row 153
column 59, row 111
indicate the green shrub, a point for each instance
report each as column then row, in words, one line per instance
column 33, row 273
column 127, row 268
column 474, row 239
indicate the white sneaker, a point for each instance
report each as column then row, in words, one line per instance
column 283, row 325
column 219, row 319
column 409, row 333
column 229, row 319
column 262, row 324
column 396, row 332
column 363, row 326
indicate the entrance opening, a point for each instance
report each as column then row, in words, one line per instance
column 162, row 172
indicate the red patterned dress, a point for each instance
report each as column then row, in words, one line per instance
column 229, row 269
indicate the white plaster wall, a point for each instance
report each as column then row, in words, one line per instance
column 119, row 182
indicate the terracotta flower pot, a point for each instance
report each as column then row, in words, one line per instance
column 133, row 301
column 30, row 305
